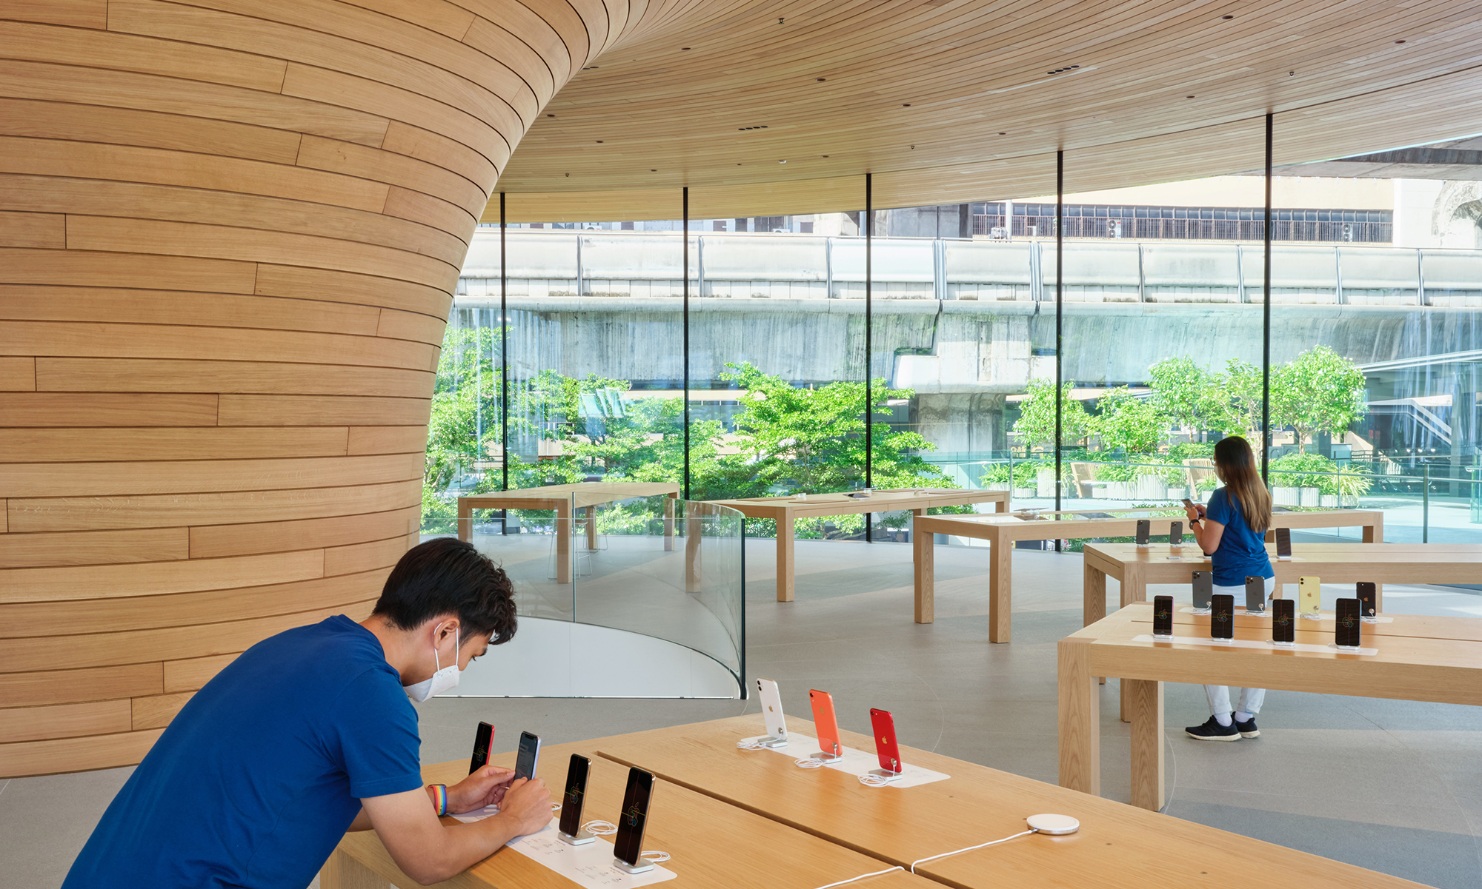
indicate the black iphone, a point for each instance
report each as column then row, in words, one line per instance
column 1222, row 617
column 528, row 756
column 627, row 846
column 1283, row 543
column 1283, row 621
column 1175, row 533
column 1162, row 615
column 482, row 739
column 1203, row 589
column 1349, row 631
column 1255, row 595
column 576, row 792
column 1144, row 531
column 1368, row 600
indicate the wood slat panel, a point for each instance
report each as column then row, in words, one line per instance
column 534, row 31
column 88, row 269
column 327, row 410
column 54, row 584
column 393, row 169
column 53, row 686
column 387, row 440
column 437, row 149
column 17, row 374
column 193, row 673
column 87, row 617
column 88, row 409
column 498, row 43
column 156, row 711
column 63, row 83
column 414, row 206
column 362, row 557
column 20, row 302
column 72, row 13
column 148, row 646
column 75, row 513
column 146, row 129
column 43, row 230
column 63, row 721
column 412, row 326
column 4, row 517
column 68, row 46
column 93, row 547
column 98, row 340
column 70, row 446
column 146, row 375
column 266, row 537
column 75, row 754
column 346, row 287
column 22, row 480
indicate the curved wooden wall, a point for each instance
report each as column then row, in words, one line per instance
column 229, row 231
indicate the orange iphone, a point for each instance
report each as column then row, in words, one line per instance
column 827, row 724
column 885, row 745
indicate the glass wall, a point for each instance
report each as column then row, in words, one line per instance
column 1162, row 337
column 1376, row 343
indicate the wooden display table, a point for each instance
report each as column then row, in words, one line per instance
column 1117, row 847
column 785, row 510
column 1001, row 531
column 1436, row 659
column 566, row 499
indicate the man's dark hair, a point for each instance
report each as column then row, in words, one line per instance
column 446, row 575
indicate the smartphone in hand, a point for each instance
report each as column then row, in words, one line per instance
column 528, row 756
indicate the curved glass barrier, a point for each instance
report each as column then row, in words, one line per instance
column 625, row 556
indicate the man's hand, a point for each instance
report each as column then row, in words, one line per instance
column 526, row 806
column 485, row 787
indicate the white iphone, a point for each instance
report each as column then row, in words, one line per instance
column 771, row 700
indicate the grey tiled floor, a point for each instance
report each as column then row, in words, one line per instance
column 1391, row 785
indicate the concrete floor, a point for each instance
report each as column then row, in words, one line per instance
column 1390, row 785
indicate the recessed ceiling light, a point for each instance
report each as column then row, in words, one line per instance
column 1003, row 134
column 1188, row 97
column 684, row 49
column 823, row 156
column 599, row 141
column 550, row 115
column 1227, row 17
column 822, row 79
column 783, row 161
column 653, row 171
column 1399, row 41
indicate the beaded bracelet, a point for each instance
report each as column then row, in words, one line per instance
column 440, row 797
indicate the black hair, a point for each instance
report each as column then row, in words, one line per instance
column 446, row 575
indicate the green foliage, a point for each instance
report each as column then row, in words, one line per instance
column 1036, row 424
column 1129, row 423
column 1186, row 395
column 1320, row 391
column 1316, row 471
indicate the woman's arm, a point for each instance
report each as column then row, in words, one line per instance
column 1208, row 534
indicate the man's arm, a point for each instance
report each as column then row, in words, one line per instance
column 429, row 850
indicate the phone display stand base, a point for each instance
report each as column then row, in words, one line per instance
column 581, row 838
column 767, row 742
column 884, row 775
column 588, row 865
column 1162, row 637
column 1326, row 648
column 860, row 763
column 827, row 758
column 642, row 867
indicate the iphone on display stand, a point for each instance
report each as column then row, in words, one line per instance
column 1175, row 536
column 1284, row 543
column 483, row 739
column 886, row 747
column 1144, row 532
column 1349, row 630
column 1255, row 595
column 771, row 700
column 1368, row 601
column 569, row 828
column 1283, row 621
column 1163, row 617
column 1309, row 597
column 1203, row 590
column 1222, row 617
column 627, row 846
column 827, row 724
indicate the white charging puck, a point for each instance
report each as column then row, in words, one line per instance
column 1054, row 825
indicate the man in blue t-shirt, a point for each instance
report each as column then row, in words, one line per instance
column 311, row 733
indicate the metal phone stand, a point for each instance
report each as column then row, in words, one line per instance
column 642, row 867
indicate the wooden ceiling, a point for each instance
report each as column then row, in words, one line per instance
column 776, row 107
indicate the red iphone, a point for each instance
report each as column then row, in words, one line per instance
column 885, row 745
column 827, row 724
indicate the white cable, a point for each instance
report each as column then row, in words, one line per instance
column 599, row 828
column 863, row 877
column 970, row 848
column 809, row 763
column 870, row 779
column 750, row 744
column 654, row 856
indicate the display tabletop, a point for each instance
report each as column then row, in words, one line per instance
column 786, row 510
column 1436, row 659
column 1001, row 531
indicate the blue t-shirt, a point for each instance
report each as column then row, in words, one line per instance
column 1242, row 552
column 257, row 779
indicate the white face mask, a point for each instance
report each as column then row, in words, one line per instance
column 444, row 679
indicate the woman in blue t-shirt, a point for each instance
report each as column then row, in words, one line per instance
column 1231, row 530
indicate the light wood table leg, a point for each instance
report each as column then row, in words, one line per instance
column 693, row 535
column 563, row 543
column 668, row 524
column 1375, row 534
column 924, row 557
column 1000, row 589
column 784, row 559
column 465, row 521
column 1134, row 589
column 343, row 872
column 591, row 512
column 1093, row 608
column 1079, row 718
column 1145, row 699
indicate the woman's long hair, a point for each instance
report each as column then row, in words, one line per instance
column 1236, row 465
